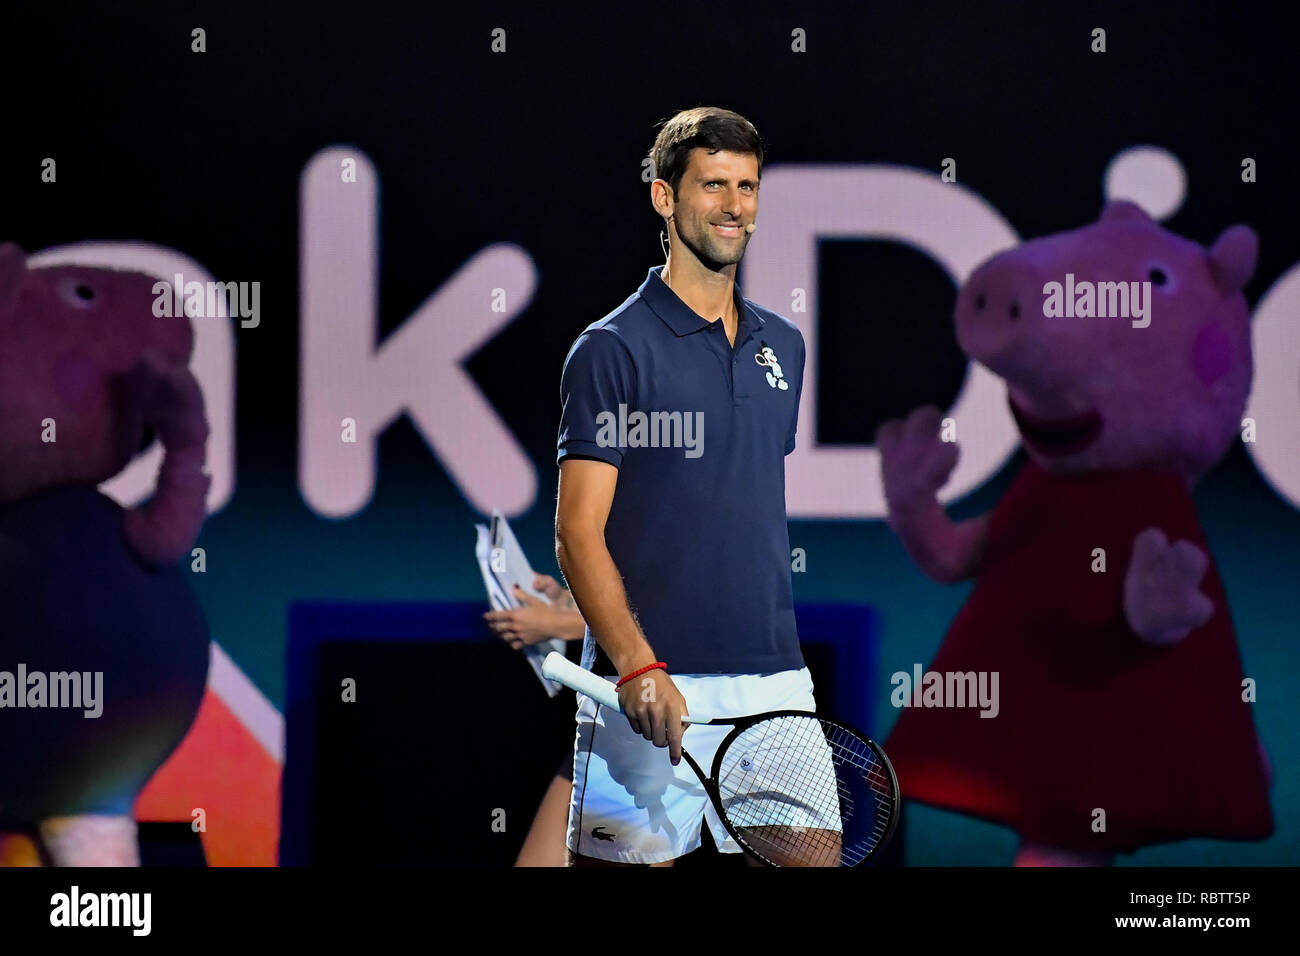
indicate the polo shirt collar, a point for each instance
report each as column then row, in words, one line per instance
column 680, row 317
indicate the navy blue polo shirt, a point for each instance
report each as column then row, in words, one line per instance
column 699, row 431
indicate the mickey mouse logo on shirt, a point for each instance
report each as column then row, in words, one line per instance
column 767, row 358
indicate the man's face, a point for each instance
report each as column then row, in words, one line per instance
column 718, row 196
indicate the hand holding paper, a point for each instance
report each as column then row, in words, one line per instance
column 509, row 581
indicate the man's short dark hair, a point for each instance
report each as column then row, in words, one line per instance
column 710, row 127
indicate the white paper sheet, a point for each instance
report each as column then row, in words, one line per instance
column 503, row 565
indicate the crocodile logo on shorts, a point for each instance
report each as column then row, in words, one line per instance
column 600, row 834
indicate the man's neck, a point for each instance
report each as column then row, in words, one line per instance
column 710, row 295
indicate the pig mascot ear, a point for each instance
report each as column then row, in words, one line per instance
column 1120, row 209
column 13, row 263
column 1233, row 257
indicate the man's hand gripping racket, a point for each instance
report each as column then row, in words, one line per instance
column 791, row 787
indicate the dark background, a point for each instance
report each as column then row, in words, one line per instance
column 542, row 147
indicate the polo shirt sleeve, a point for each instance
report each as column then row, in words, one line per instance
column 798, row 394
column 599, row 375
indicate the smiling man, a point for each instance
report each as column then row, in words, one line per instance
column 680, row 564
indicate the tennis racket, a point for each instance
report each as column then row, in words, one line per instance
column 792, row 787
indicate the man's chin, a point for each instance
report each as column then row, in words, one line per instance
column 722, row 258
column 717, row 258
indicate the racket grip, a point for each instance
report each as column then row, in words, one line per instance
column 560, row 669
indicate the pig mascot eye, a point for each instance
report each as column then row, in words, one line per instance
column 77, row 293
column 1157, row 276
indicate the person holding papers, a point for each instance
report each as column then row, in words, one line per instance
column 538, row 621
column 535, row 622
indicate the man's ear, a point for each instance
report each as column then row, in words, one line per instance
column 668, row 200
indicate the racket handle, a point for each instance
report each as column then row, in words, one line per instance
column 560, row 669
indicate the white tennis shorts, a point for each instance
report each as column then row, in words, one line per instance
column 631, row 805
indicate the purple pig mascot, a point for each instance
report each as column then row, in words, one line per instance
column 103, row 647
column 1123, row 720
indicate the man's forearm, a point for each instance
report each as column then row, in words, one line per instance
column 597, row 588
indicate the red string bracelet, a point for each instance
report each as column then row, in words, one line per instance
column 657, row 665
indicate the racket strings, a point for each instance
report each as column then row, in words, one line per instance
column 801, row 791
